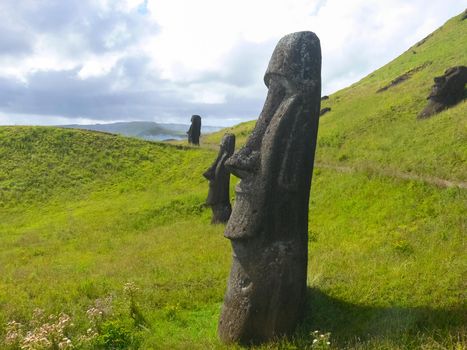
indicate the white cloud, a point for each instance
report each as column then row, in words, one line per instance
column 207, row 96
column 98, row 66
column 167, row 59
column 28, row 119
column 196, row 36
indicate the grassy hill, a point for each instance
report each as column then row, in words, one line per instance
column 113, row 232
column 375, row 131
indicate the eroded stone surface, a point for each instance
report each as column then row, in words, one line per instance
column 448, row 90
column 195, row 130
column 268, row 227
column 219, row 182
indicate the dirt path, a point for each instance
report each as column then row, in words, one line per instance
column 432, row 180
column 398, row 174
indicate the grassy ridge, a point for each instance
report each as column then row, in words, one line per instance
column 385, row 256
column 370, row 130
column 39, row 163
column 111, row 210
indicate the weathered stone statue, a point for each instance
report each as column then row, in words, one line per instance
column 195, row 130
column 268, row 227
column 219, row 182
column 448, row 90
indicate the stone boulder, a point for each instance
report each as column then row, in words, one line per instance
column 448, row 90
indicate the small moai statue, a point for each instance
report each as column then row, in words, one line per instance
column 268, row 228
column 219, row 182
column 447, row 90
column 324, row 111
column 195, row 130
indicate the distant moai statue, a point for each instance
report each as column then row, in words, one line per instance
column 448, row 90
column 219, row 182
column 195, row 130
column 268, row 227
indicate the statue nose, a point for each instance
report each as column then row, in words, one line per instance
column 244, row 163
column 233, row 164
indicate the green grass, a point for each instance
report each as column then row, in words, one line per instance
column 385, row 255
column 83, row 213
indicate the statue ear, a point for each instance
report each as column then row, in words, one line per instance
column 220, row 162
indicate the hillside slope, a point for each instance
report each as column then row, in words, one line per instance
column 41, row 163
column 83, row 214
column 379, row 132
column 385, row 268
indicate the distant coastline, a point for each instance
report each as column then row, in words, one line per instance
column 150, row 131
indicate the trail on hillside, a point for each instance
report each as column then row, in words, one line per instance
column 432, row 180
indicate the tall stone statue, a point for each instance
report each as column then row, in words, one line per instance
column 448, row 90
column 219, row 182
column 268, row 227
column 195, row 130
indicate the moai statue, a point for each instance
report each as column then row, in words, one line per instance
column 268, row 227
column 448, row 90
column 324, row 111
column 219, row 182
column 195, row 130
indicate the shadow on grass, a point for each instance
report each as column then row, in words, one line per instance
column 351, row 323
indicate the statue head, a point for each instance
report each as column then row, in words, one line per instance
column 227, row 144
column 453, row 79
column 447, row 90
column 271, row 163
column 195, row 119
column 226, row 149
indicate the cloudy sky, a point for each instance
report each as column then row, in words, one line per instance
column 89, row 61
